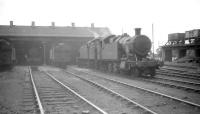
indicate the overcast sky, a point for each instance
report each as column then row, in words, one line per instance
column 168, row 16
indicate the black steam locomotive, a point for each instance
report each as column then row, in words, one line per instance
column 7, row 54
column 119, row 54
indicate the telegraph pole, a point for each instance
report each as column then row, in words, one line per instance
column 153, row 38
column 44, row 53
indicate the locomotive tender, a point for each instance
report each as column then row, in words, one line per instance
column 119, row 54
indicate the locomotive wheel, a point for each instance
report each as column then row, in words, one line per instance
column 136, row 72
column 115, row 68
column 110, row 67
column 103, row 67
column 152, row 72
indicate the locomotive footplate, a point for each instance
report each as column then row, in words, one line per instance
column 143, row 63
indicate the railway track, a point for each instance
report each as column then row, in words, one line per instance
column 178, row 74
column 182, row 79
column 190, row 82
column 180, row 67
column 29, row 103
column 188, row 72
column 185, row 85
column 184, row 105
column 179, row 80
column 176, row 70
column 121, row 105
column 55, row 97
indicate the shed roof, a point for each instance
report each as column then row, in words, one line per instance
column 45, row 31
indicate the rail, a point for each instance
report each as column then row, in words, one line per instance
column 179, row 81
column 177, row 75
column 41, row 109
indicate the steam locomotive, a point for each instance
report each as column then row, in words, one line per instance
column 64, row 54
column 7, row 54
column 120, row 54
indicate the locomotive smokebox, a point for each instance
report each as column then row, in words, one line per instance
column 137, row 31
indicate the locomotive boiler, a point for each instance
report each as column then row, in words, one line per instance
column 121, row 53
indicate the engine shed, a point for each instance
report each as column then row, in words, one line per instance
column 32, row 44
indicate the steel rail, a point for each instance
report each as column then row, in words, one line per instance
column 90, row 103
column 180, row 73
column 113, row 92
column 172, row 85
column 177, row 69
column 174, row 69
column 151, row 91
column 41, row 109
column 179, row 81
column 178, row 66
column 177, row 75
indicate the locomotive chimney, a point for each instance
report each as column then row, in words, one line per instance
column 73, row 24
column 33, row 23
column 137, row 31
column 53, row 24
column 92, row 25
column 11, row 23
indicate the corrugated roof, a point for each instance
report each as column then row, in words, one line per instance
column 53, row 31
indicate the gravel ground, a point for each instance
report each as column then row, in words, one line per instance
column 108, row 103
column 178, row 78
column 11, row 90
column 158, row 88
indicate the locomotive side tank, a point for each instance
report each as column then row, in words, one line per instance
column 110, row 48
